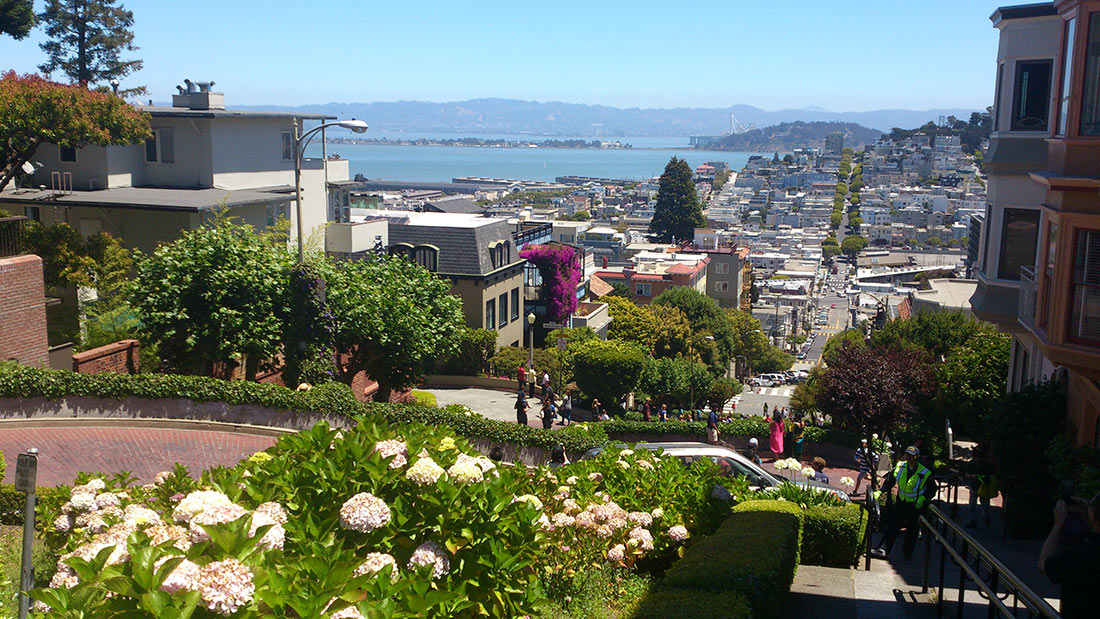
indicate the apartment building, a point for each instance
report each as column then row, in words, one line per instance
column 1040, row 251
column 201, row 157
column 479, row 257
column 723, row 275
column 653, row 273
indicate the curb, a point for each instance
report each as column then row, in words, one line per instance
column 168, row 424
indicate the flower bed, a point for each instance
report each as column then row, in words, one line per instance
column 368, row 520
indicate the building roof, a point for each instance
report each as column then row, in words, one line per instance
column 598, row 287
column 149, row 198
column 165, row 111
column 948, row 294
column 453, row 205
column 1023, row 11
column 463, row 240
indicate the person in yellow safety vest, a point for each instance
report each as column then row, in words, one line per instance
column 915, row 487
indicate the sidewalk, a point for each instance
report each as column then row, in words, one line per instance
column 892, row 588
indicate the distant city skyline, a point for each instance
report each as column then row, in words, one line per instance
column 861, row 55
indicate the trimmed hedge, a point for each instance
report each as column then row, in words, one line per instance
column 833, row 536
column 328, row 398
column 748, row 427
column 754, row 553
column 665, row 603
column 12, row 503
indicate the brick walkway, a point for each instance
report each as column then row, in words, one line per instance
column 142, row 451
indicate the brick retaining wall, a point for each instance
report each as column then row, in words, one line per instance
column 120, row 357
column 23, row 311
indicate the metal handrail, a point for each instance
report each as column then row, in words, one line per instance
column 1000, row 577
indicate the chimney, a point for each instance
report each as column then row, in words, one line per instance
column 198, row 96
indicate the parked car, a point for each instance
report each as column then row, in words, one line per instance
column 760, row 381
column 732, row 463
column 802, row 355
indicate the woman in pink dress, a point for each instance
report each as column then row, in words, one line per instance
column 776, row 440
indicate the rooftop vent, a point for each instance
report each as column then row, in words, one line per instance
column 198, row 96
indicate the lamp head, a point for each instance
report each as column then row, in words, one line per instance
column 358, row 126
column 531, row 319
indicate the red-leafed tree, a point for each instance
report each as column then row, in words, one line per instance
column 36, row 111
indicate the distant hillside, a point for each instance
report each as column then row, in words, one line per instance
column 489, row 116
column 788, row 136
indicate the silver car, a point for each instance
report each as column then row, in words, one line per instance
column 732, row 463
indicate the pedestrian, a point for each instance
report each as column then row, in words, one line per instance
column 765, row 409
column 647, row 409
column 545, row 382
column 1074, row 565
column 865, row 459
column 983, row 488
column 798, row 431
column 547, row 414
column 751, row 453
column 521, row 408
column 775, row 440
column 557, row 456
column 566, row 408
column 662, row 415
column 521, row 376
column 915, row 489
column 596, row 408
column 818, row 465
column 712, row 428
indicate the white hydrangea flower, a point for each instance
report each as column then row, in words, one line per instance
column 430, row 553
column 808, row 471
column 82, row 502
column 626, row 452
column 678, row 533
column 66, row 578
column 595, row 476
column 571, row 480
column 529, row 498
column 218, row 514
column 447, row 443
column 274, row 537
column 184, row 578
column 272, row 510
column 364, row 512
column 136, row 515
column 562, row 519
column 395, row 448
column 657, row 513
column 645, row 464
column 198, row 501
column 225, row 586
column 350, row 612
column 643, row 537
column 424, row 471
column 375, row 562
column 640, row 518
column 107, row 499
column 465, row 472
column 617, row 553
column 162, row 477
column 63, row 523
column 623, row 463
column 161, row 533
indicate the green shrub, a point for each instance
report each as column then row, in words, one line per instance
column 607, row 370
column 12, row 503
column 754, row 553
column 577, row 437
column 833, row 536
column 475, row 348
column 664, row 603
column 751, row 426
column 423, row 398
column 3, row 465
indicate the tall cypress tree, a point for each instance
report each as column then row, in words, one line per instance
column 678, row 211
column 86, row 39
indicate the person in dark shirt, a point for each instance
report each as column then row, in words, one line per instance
column 1075, row 566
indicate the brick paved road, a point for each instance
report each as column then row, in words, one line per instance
column 142, row 451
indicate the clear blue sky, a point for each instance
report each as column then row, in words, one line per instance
column 850, row 55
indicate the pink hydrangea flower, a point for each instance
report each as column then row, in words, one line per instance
column 395, row 448
column 430, row 553
column 225, row 586
column 678, row 533
column 364, row 512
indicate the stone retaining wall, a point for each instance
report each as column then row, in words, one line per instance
column 80, row 407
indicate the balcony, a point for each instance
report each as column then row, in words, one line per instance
column 536, row 235
column 1026, row 313
column 351, row 240
column 594, row 316
column 11, row 235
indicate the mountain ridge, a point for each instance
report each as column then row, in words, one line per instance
column 499, row 115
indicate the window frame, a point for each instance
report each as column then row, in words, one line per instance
column 1094, row 66
column 287, row 138
column 515, row 303
column 502, row 310
column 61, row 150
column 490, row 314
column 426, row 253
column 721, row 286
column 1074, row 285
column 1006, row 247
column 158, row 141
column 1013, row 121
column 640, row 286
column 1065, row 92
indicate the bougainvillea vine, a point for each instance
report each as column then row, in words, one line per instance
column 561, row 273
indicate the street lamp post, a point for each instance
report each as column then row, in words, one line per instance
column 300, row 144
column 691, row 369
column 531, row 341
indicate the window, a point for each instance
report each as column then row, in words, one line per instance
column 1067, row 74
column 401, row 249
column 66, row 154
column 161, row 147
column 1048, row 269
column 33, row 213
column 515, row 303
column 997, row 96
column 1031, row 98
column 1084, row 315
column 721, row 286
column 722, row 268
column 491, row 314
column 1019, row 234
column 1090, row 89
column 642, row 289
column 274, row 212
column 499, row 253
column 426, row 256
column 502, row 303
column 288, row 146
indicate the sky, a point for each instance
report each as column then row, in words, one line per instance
column 852, row 55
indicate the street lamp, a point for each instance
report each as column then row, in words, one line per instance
column 300, row 143
column 531, row 341
column 691, row 369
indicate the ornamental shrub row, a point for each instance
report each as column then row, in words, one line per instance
column 833, row 536
column 664, row 603
column 753, row 554
column 12, row 503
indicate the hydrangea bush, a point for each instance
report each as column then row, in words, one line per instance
column 367, row 522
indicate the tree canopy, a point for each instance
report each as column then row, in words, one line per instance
column 705, row 317
column 678, row 211
column 35, row 111
column 86, row 41
column 16, row 18
column 608, row 370
column 853, row 244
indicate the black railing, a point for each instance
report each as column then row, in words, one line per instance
column 11, row 235
column 1004, row 593
column 544, row 233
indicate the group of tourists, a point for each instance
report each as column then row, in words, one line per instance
column 551, row 408
column 786, row 432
